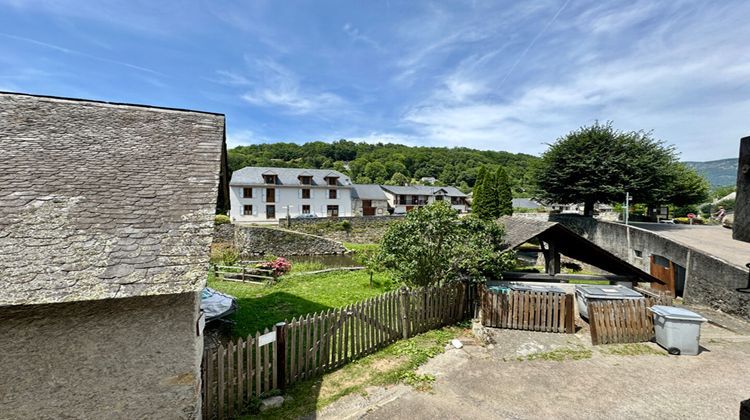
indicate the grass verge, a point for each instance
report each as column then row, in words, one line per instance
column 632, row 349
column 560, row 355
column 396, row 363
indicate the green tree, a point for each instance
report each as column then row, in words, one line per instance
column 376, row 171
column 399, row 179
column 599, row 164
column 503, row 193
column 484, row 202
column 433, row 245
column 687, row 186
column 363, row 180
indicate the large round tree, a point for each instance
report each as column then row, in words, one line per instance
column 598, row 163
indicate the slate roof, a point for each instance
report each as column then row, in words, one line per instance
column 253, row 175
column 525, row 203
column 101, row 200
column 367, row 192
column 422, row 190
column 519, row 230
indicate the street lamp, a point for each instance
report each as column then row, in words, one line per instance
column 627, row 206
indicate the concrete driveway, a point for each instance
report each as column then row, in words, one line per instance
column 489, row 381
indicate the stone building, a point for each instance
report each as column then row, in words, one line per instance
column 369, row 200
column 106, row 217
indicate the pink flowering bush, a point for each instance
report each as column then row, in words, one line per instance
column 279, row 266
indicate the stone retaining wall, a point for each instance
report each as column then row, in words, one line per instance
column 253, row 241
column 708, row 279
column 362, row 229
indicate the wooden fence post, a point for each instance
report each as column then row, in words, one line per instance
column 281, row 355
column 569, row 315
column 405, row 318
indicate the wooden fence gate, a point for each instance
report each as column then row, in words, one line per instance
column 622, row 321
column 317, row 343
column 533, row 311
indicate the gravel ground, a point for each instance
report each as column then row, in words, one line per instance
column 496, row 381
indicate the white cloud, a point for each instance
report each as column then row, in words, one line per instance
column 356, row 35
column 681, row 78
column 277, row 86
column 242, row 137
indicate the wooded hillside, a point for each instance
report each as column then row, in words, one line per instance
column 390, row 163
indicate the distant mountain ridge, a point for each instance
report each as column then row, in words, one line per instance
column 719, row 173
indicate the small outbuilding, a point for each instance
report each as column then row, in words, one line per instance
column 554, row 240
column 369, row 200
column 106, row 220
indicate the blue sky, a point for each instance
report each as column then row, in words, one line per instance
column 485, row 74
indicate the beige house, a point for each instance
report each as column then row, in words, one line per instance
column 106, row 219
column 369, row 200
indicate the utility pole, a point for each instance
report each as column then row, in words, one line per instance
column 627, row 206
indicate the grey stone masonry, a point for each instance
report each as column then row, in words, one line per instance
column 133, row 358
column 101, row 200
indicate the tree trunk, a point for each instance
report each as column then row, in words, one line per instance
column 588, row 208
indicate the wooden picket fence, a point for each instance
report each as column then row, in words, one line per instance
column 234, row 374
column 622, row 321
column 316, row 343
column 242, row 274
column 528, row 310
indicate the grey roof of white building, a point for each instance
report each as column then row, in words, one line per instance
column 423, row 190
column 253, row 175
column 367, row 192
column 525, row 203
column 101, row 200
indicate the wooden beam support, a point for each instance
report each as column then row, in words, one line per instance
column 741, row 227
column 557, row 278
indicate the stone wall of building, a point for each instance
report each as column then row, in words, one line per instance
column 119, row 358
column 708, row 280
column 254, row 241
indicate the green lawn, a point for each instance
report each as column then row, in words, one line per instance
column 361, row 247
column 261, row 306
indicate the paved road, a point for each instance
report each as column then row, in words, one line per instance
column 714, row 240
column 477, row 382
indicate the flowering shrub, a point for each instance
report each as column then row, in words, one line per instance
column 279, row 266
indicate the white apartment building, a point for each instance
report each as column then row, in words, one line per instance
column 261, row 194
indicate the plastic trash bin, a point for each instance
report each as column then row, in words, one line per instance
column 587, row 292
column 677, row 329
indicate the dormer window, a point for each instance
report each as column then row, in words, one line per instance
column 332, row 180
column 305, row 180
column 269, row 179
